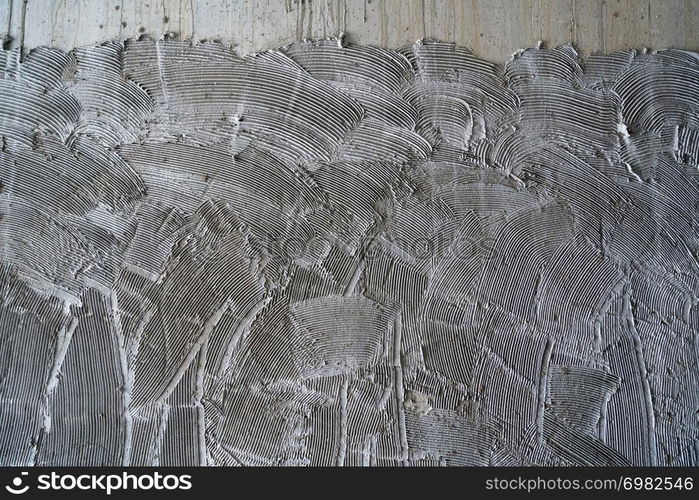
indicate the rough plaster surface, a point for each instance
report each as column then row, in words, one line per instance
column 334, row 254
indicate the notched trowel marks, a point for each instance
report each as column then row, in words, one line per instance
column 332, row 254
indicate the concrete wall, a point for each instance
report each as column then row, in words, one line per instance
column 493, row 29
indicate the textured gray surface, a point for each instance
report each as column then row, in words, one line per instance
column 492, row 29
column 340, row 255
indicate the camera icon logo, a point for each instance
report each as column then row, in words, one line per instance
column 16, row 488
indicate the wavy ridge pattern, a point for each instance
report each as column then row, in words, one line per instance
column 332, row 254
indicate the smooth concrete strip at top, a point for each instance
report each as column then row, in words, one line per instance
column 492, row 29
